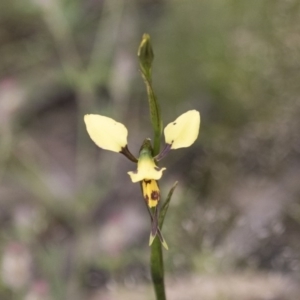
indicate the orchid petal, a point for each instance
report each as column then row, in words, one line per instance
column 184, row 130
column 106, row 133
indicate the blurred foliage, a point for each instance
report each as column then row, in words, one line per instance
column 72, row 207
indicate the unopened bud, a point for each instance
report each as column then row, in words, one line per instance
column 145, row 54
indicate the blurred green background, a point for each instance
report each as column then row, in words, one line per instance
column 73, row 226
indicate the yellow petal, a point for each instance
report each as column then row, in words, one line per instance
column 184, row 130
column 106, row 132
column 151, row 192
column 146, row 169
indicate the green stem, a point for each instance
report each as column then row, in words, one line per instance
column 156, row 261
column 146, row 56
column 157, row 270
column 154, row 115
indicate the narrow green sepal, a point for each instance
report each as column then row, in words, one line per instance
column 155, row 231
column 162, row 240
column 165, row 206
column 154, row 223
column 160, row 236
column 151, row 238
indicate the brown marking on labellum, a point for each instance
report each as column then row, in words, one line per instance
column 147, row 181
column 174, row 123
column 154, row 195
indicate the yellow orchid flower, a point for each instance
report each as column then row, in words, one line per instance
column 111, row 135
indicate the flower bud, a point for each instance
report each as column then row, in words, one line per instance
column 145, row 54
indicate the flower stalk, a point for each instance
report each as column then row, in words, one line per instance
column 146, row 56
column 111, row 135
column 156, row 259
